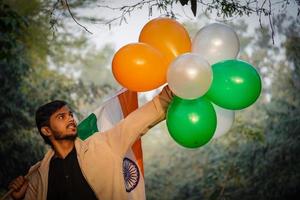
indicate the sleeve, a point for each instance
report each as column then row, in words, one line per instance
column 31, row 192
column 137, row 123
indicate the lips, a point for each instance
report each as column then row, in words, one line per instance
column 71, row 125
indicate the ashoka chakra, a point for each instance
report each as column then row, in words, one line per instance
column 131, row 174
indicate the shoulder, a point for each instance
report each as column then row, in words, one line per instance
column 34, row 167
column 95, row 141
column 33, row 174
column 34, row 181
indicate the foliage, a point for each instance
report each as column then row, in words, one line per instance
column 15, row 120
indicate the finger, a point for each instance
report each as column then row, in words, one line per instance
column 13, row 186
column 19, row 194
column 20, row 181
column 17, row 184
column 20, row 178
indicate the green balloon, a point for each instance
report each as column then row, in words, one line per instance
column 236, row 84
column 191, row 123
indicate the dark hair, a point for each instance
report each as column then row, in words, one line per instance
column 43, row 114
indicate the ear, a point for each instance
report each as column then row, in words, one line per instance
column 46, row 131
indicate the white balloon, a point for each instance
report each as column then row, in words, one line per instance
column 225, row 119
column 189, row 76
column 216, row 42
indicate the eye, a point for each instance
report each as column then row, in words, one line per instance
column 60, row 117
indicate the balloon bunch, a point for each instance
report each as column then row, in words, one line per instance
column 207, row 79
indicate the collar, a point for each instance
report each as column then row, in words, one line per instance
column 81, row 148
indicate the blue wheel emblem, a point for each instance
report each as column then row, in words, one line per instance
column 131, row 174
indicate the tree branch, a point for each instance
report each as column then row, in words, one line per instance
column 69, row 10
column 126, row 10
column 270, row 21
column 223, row 8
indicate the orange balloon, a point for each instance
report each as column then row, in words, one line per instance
column 168, row 36
column 139, row 67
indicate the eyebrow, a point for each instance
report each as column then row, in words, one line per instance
column 63, row 113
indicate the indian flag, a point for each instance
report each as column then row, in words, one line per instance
column 105, row 117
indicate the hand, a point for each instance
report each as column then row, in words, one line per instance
column 165, row 97
column 19, row 185
column 167, row 92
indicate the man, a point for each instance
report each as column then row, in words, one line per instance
column 90, row 169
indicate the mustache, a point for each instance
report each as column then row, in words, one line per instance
column 72, row 124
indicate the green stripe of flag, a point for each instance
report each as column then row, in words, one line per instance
column 87, row 127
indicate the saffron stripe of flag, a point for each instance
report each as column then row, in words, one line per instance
column 105, row 117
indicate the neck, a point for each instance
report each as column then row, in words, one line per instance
column 63, row 147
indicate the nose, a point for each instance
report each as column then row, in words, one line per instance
column 72, row 121
column 71, row 118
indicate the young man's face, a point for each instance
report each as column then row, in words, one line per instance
column 63, row 125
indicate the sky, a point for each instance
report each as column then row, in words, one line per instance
column 124, row 33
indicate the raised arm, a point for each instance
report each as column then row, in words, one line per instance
column 137, row 123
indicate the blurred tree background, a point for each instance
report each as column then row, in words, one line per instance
column 43, row 59
column 35, row 68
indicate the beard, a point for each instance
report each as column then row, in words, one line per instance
column 58, row 136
